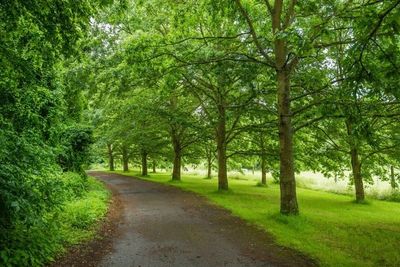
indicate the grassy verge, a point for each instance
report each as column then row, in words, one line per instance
column 331, row 228
column 70, row 223
column 78, row 218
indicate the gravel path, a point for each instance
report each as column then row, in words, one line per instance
column 163, row 226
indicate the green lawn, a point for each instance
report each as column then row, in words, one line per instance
column 331, row 228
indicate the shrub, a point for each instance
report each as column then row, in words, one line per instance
column 75, row 141
column 74, row 185
column 39, row 239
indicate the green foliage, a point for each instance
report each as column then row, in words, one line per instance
column 220, row 59
column 36, row 38
column 76, row 141
column 395, row 196
column 81, row 214
column 74, row 185
column 69, row 223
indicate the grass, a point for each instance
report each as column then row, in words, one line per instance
column 331, row 228
column 79, row 216
column 71, row 223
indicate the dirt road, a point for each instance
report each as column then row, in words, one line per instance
column 163, row 226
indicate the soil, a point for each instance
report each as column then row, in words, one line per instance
column 156, row 225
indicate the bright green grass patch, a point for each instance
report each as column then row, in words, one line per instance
column 79, row 217
column 331, row 228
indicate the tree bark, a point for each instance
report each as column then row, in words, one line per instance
column 287, row 178
column 358, row 181
column 283, row 71
column 221, row 148
column 263, row 170
column 176, row 143
column 154, row 166
column 125, row 159
column 263, row 160
column 209, row 163
column 176, row 172
column 355, row 162
column 110, row 157
column 209, row 156
column 144, row 163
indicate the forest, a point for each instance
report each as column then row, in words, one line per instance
column 263, row 107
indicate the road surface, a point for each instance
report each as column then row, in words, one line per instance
column 161, row 226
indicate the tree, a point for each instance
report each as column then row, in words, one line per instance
column 297, row 37
column 176, row 110
column 36, row 38
column 361, row 102
column 299, row 70
column 76, row 141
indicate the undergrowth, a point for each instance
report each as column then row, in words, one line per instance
column 83, row 201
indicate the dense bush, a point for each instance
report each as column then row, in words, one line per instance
column 44, row 237
column 75, row 141
column 28, row 187
column 32, row 188
column 74, row 185
column 36, row 38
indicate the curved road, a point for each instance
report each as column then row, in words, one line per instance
column 164, row 226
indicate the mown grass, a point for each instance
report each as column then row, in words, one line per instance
column 331, row 228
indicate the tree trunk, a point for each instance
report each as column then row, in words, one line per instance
column 209, row 155
column 144, row 163
column 355, row 163
column 125, row 159
column 176, row 172
column 263, row 160
column 392, row 178
column 154, row 166
column 358, row 182
column 221, row 149
column 283, row 70
column 283, row 67
column 176, row 140
column 287, row 178
column 110, row 157
column 176, row 144
column 263, row 170
column 209, row 163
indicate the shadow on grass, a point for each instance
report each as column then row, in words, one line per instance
column 259, row 184
column 295, row 222
column 362, row 202
column 223, row 192
column 238, row 178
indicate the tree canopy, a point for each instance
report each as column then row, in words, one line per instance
column 303, row 86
